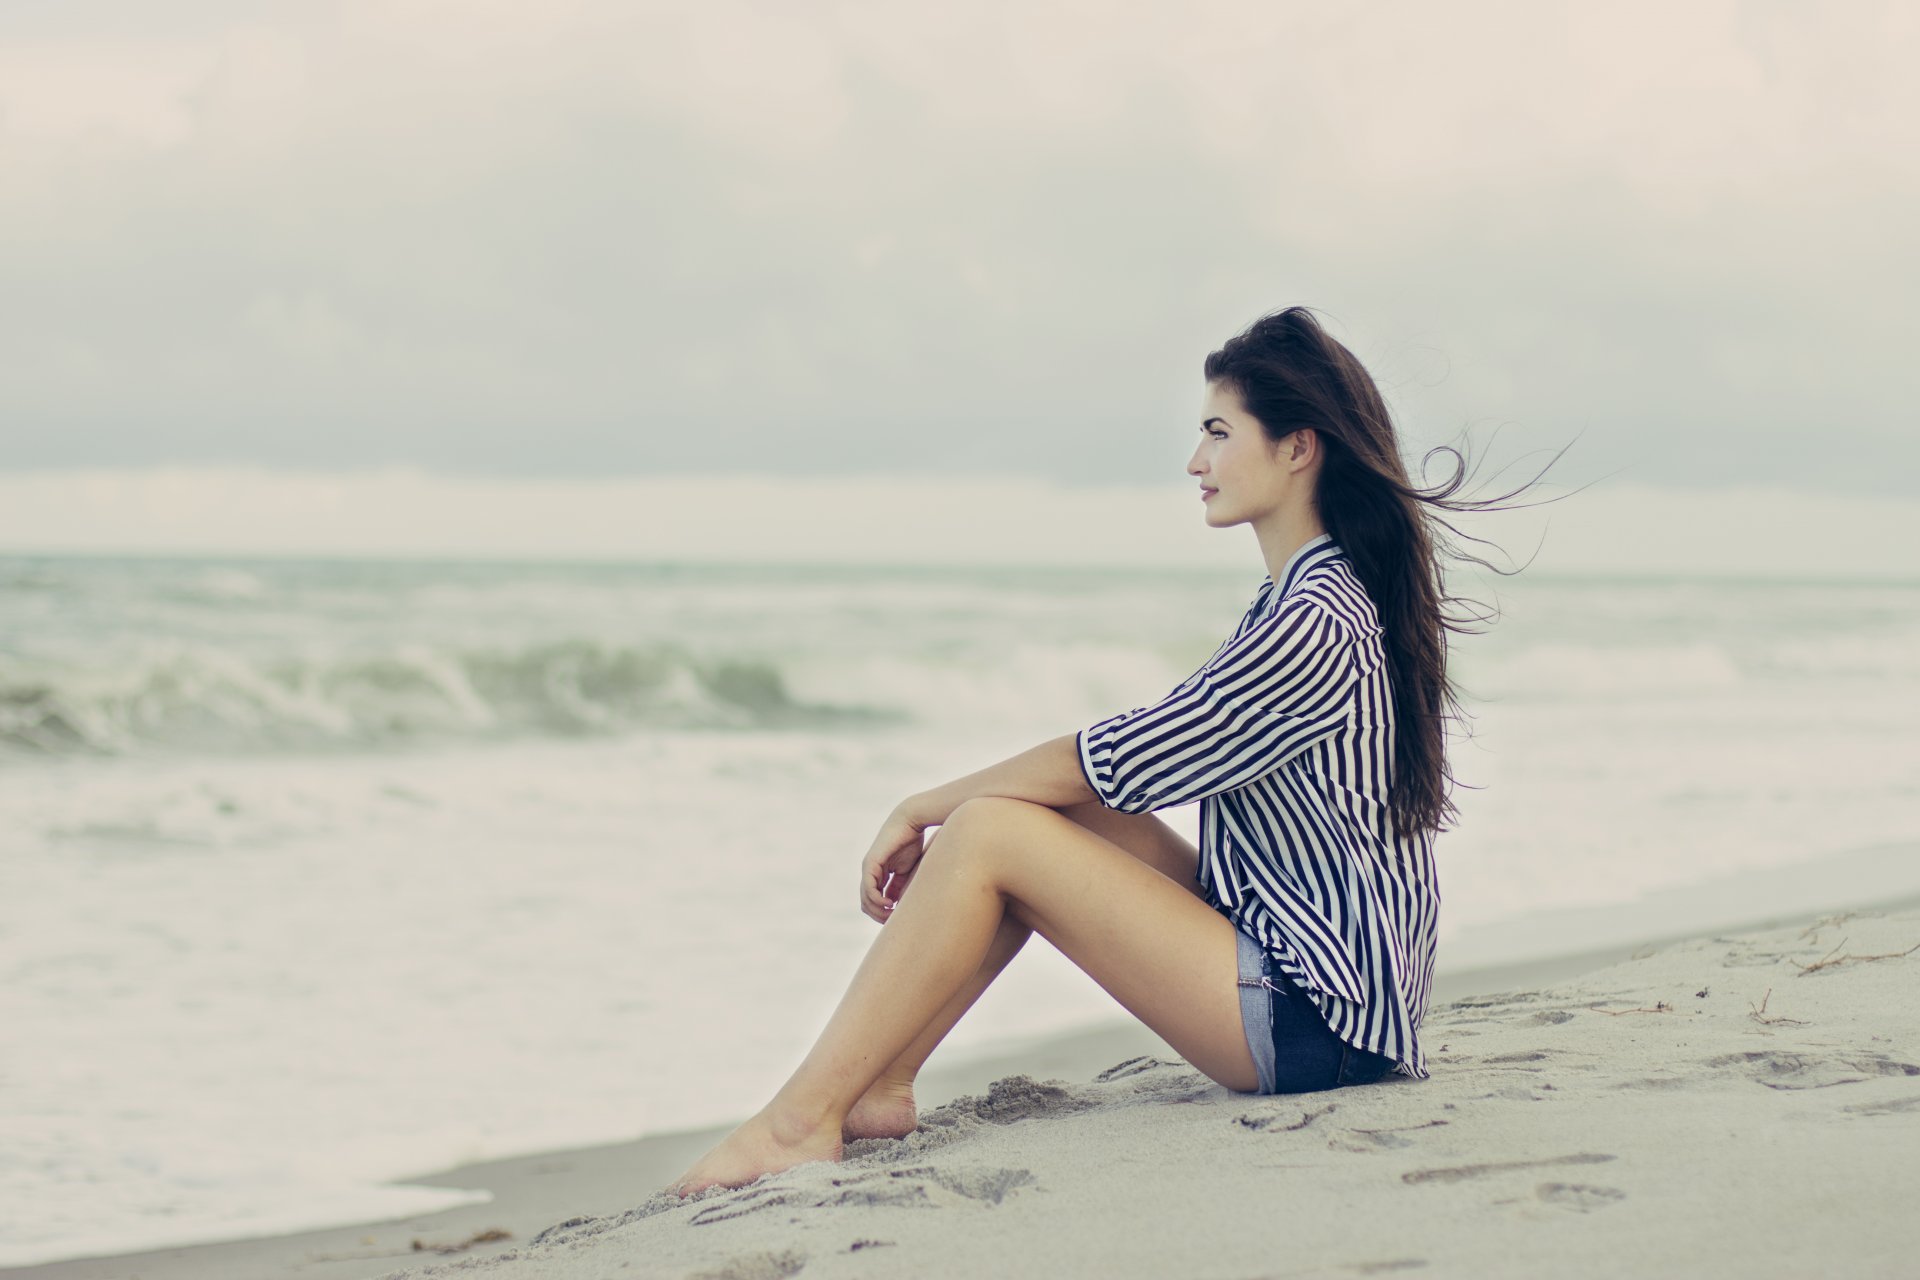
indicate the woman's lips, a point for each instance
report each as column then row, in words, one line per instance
column 1207, row 493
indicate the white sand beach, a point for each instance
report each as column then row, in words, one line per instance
column 1735, row 1104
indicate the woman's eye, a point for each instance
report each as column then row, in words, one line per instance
column 1218, row 435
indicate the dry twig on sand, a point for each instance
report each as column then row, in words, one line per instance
column 1760, row 1014
column 479, row 1237
column 1660, row 1006
column 1830, row 959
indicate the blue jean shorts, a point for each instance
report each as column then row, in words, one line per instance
column 1295, row 1049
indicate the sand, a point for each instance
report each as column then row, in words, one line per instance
column 1737, row 1104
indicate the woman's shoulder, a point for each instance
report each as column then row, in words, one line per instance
column 1302, row 606
column 1333, row 589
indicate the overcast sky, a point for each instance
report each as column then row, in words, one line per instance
column 494, row 239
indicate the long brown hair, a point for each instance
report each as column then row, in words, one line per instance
column 1291, row 374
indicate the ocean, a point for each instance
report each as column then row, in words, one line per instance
column 316, row 874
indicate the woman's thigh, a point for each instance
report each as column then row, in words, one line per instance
column 1147, row 838
column 1152, row 944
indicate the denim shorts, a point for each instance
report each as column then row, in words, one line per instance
column 1295, row 1049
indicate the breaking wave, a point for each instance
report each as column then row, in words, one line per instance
column 201, row 698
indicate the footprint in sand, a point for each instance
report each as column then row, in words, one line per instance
column 1496, row 1000
column 1380, row 1268
column 584, row 1228
column 1284, row 1119
column 923, row 1187
column 766, row 1265
column 1891, row 1106
column 1578, row 1196
column 1131, row 1067
column 1659, row 1082
column 1779, row 1070
column 1749, row 959
column 1363, row 1141
column 1461, row 1173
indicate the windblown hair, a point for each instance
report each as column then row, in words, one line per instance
column 1291, row 374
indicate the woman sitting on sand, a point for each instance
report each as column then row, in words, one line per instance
column 1293, row 950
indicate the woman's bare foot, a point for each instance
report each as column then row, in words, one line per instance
column 885, row 1110
column 759, row 1146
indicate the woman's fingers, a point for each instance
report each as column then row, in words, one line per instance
column 888, row 866
column 888, row 884
column 873, row 874
column 876, row 897
column 873, row 880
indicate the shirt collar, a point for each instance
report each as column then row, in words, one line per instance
column 1303, row 559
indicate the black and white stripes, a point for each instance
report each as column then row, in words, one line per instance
column 1285, row 738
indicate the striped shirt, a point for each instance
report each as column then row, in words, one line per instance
column 1285, row 737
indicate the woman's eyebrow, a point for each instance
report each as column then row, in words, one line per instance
column 1210, row 421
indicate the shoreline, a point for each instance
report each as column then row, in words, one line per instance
column 536, row 1192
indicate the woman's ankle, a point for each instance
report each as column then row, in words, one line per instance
column 891, row 1085
column 886, row 1110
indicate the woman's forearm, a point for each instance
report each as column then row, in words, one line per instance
column 1049, row 774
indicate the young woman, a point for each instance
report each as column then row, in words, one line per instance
column 1293, row 950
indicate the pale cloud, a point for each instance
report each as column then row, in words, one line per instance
column 836, row 238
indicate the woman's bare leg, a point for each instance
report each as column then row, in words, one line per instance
column 887, row 1109
column 1154, row 946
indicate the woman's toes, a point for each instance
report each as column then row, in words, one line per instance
column 750, row 1152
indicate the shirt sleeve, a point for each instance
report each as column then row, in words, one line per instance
column 1266, row 696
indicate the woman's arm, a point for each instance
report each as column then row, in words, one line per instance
column 1050, row 774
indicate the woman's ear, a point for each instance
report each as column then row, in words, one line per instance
column 1298, row 447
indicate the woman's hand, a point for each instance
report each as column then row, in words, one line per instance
column 895, row 853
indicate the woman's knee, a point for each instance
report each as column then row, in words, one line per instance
column 989, row 809
column 982, row 819
column 981, row 829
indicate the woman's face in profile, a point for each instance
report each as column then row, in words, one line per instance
column 1237, row 462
